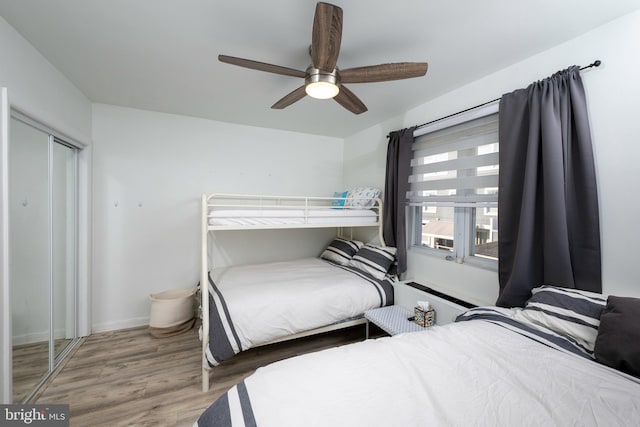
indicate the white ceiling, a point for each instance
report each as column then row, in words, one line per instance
column 161, row 55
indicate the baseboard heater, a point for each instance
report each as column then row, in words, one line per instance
column 439, row 294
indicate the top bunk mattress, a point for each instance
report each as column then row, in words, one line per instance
column 239, row 217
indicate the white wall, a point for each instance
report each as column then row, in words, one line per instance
column 149, row 172
column 39, row 90
column 613, row 96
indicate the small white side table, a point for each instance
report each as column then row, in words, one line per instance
column 447, row 307
column 392, row 319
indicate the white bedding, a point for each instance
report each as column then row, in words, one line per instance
column 274, row 300
column 472, row 373
column 231, row 217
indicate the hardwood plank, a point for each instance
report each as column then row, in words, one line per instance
column 129, row 378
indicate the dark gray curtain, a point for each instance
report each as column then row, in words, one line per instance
column 395, row 193
column 548, row 204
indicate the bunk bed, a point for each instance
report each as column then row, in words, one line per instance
column 280, row 281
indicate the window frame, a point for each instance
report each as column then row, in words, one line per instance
column 464, row 218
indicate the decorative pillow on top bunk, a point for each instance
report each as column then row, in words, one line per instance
column 374, row 260
column 341, row 250
column 571, row 312
column 362, row 197
column 339, row 199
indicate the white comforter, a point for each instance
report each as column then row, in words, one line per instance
column 274, row 300
column 471, row 373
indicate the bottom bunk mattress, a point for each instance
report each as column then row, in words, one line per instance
column 472, row 373
column 256, row 304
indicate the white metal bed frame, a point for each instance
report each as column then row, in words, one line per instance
column 261, row 203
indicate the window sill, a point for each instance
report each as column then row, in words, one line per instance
column 477, row 262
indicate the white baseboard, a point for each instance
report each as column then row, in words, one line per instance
column 120, row 324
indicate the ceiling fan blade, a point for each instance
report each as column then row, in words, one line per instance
column 326, row 36
column 350, row 101
column 290, row 98
column 261, row 66
column 383, row 72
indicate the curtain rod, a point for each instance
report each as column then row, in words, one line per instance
column 595, row 63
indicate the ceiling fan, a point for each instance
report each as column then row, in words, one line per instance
column 323, row 79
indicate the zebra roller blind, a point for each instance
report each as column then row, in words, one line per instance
column 456, row 166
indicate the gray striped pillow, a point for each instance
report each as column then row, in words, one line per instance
column 374, row 260
column 341, row 250
column 571, row 312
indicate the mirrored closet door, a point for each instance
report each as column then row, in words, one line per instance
column 42, row 251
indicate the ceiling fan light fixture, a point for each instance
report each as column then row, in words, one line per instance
column 321, row 90
column 321, row 85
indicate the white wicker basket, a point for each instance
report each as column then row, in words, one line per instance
column 171, row 308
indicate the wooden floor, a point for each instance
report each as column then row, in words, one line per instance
column 128, row 378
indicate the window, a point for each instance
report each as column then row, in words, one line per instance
column 454, row 187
